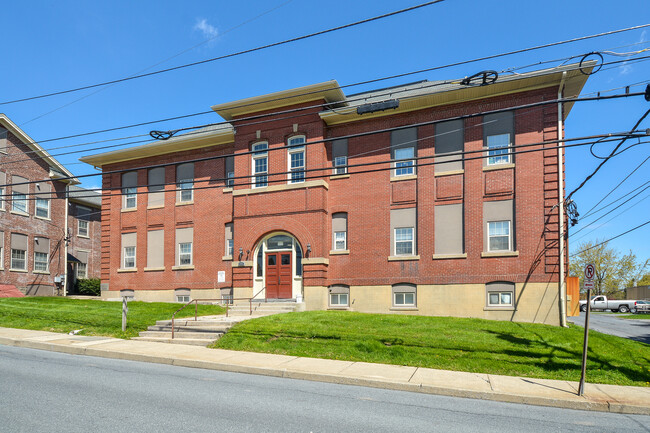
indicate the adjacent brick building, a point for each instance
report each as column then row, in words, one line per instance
column 399, row 200
column 34, row 218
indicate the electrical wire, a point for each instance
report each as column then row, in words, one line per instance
column 610, row 239
column 239, row 53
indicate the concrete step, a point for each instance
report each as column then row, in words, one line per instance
column 182, row 335
column 190, row 341
column 211, row 328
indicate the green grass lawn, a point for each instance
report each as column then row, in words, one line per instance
column 644, row 316
column 94, row 317
column 473, row 345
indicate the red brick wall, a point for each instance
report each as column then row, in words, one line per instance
column 367, row 198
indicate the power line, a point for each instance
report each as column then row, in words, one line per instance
column 379, row 131
column 610, row 239
column 238, row 53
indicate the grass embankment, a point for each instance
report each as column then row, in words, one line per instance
column 473, row 345
column 93, row 317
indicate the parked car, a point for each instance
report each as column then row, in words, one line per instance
column 641, row 307
column 601, row 303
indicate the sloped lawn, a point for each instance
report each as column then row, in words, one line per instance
column 92, row 317
column 473, row 345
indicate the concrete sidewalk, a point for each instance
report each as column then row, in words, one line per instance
column 542, row 392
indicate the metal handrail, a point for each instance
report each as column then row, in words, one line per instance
column 196, row 306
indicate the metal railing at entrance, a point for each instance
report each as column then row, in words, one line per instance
column 227, row 301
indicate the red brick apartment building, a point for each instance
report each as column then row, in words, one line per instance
column 34, row 217
column 363, row 202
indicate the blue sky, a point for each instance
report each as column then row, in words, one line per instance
column 50, row 46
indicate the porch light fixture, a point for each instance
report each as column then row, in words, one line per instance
column 241, row 253
column 308, row 250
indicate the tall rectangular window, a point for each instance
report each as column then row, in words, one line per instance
column 403, row 145
column 449, row 229
column 403, row 223
column 41, row 254
column 82, row 271
column 404, row 241
column 185, row 182
column 296, row 149
column 260, row 164
column 449, row 145
column 340, row 231
column 230, row 171
column 230, row 246
column 3, row 140
column 340, row 156
column 18, row 252
column 156, row 187
column 499, row 227
column 129, row 242
column 3, row 181
column 184, row 249
column 19, row 194
column 2, row 250
column 83, row 229
column 129, row 190
column 498, row 136
column 43, row 191
column 155, row 248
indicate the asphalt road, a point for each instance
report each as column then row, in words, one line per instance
column 638, row 330
column 53, row 392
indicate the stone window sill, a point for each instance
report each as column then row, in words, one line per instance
column 227, row 189
column 339, row 252
column 156, row 207
column 341, row 308
column 183, row 268
column 16, row 212
column 158, row 269
column 226, row 258
column 449, row 256
column 130, row 209
column 449, row 173
column 184, row 203
column 127, row 270
column 339, row 176
column 41, row 272
column 405, row 177
column 509, row 308
column 498, row 166
column 500, row 254
column 404, row 309
column 402, row 258
column 24, row 271
column 43, row 218
column 83, row 236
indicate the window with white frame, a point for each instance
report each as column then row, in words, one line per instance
column 82, row 228
column 340, row 165
column 500, row 294
column 129, row 257
column 129, row 190
column 230, row 246
column 499, row 238
column 339, row 296
column 228, row 235
column 404, row 295
column 404, row 241
column 296, row 159
column 185, row 182
column 18, row 202
column 42, row 207
column 185, row 253
column 2, row 196
column 82, row 271
column 182, row 295
column 229, row 162
column 184, row 299
column 498, row 149
column 340, row 231
column 260, row 164
column 40, row 262
column 404, row 166
column 18, row 259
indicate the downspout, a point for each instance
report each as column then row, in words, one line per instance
column 560, row 186
column 65, row 242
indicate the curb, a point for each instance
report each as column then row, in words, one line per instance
column 396, row 385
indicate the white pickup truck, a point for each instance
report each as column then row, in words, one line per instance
column 601, row 303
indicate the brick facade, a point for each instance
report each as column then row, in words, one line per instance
column 370, row 271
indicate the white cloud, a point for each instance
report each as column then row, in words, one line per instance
column 626, row 68
column 208, row 30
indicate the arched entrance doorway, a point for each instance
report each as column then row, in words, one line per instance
column 278, row 266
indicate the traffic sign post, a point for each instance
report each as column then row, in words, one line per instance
column 590, row 272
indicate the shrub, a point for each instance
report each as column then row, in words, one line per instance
column 88, row 286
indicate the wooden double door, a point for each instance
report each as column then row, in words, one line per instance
column 279, row 276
